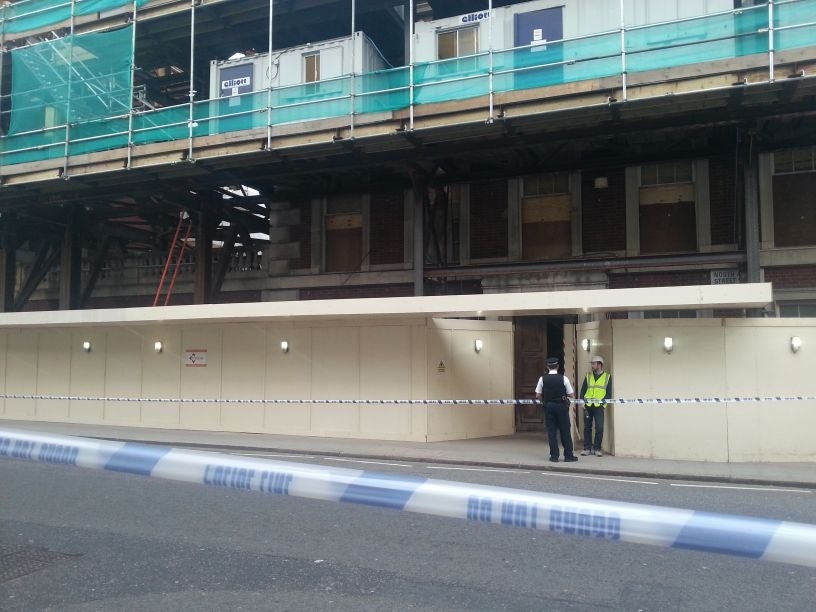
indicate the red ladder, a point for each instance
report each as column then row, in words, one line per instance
column 176, row 251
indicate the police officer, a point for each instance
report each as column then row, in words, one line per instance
column 554, row 390
column 596, row 389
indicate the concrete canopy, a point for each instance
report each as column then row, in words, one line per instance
column 694, row 297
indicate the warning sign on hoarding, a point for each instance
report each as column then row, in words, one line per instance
column 195, row 358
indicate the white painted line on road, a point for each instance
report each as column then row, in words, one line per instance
column 464, row 469
column 274, row 455
column 702, row 486
column 648, row 482
column 371, row 462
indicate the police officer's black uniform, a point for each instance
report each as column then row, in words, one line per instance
column 556, row 410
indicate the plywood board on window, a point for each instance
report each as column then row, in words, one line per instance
column 551, row 240
column 546, row 208
column 343, row 221
column 344, row 250
column 665, row 194
column 668, row 228
column 793, row 209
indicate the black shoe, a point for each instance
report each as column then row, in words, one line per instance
column 573, row 458
column 554, row 459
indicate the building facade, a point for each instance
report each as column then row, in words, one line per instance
column 251, row 150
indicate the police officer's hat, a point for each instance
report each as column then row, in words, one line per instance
column 552, row 361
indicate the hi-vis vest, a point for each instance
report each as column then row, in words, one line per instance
column 596, row 389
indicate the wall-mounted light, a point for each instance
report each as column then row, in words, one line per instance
column 601, row 182
column 284, row 346
column 158, row 346
column 86, row 346
column 478, row 345
column 668, row 344
column 796, row 344
column 586, row 344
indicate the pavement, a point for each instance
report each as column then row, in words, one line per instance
column 526, row 451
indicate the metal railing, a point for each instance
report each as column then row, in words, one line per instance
column 619, row 53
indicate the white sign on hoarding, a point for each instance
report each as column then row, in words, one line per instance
column 195, row 358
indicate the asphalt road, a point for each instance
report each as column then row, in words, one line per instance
column 74, row 539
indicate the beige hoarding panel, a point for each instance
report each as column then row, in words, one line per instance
column 123, row 373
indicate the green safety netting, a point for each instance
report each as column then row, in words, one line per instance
column 78, row 78
column 384, row 90
column 557, row 62
column 37, row 15
column 795, row 24
column 92, row 92
column 696, row 41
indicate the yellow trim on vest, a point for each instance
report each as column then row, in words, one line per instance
column 596, row 389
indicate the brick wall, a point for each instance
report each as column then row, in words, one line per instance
column 604, row 211
column 724, row 222
column 139, row 301
column 360, row 291
column 791, row 277
column 302, row 233
column 659, row 279
column 488, row 219
column 460, row 287
column 387, row 228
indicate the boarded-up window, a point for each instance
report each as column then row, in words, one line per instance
column 794, row 206
column 794, row 186
column 668, row 222
column 488, row 219
column 603, row 207
column 546, row 217
column 387, row 233
column 344, row 235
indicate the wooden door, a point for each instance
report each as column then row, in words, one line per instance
column 530, row 347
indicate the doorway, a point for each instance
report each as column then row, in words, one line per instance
column 534, row 338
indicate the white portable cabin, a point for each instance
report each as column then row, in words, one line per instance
column 536, row 22
column 295, row 65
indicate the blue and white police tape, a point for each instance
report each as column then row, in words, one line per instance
column 755, row 538
column 477, row 402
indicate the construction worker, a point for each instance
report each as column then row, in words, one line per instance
column 597, row 388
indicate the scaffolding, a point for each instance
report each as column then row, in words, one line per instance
column 74, row 94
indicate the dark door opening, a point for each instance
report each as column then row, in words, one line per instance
column 535, row 338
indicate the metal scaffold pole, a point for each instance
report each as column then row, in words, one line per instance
column 411, row 65
column 771, row 59
column 490, row 57
column 269, row 68
column 132, row 77
column 353, row 67
column 623, row 48
column 191, row 121
column 69, row 59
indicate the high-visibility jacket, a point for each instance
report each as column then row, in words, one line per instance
column 596, row 389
